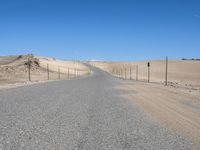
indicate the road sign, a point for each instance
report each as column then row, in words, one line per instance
column 148, row 64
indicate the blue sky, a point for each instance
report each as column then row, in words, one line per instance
column 101, row 29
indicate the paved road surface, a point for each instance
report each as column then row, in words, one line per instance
column 86, row 114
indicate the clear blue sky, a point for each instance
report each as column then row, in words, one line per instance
column 101, row 29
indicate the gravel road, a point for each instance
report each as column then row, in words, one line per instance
column 88, row 114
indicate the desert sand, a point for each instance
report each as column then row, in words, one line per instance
column 14, row 70
column 181, row 73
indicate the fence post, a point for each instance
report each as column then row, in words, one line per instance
column 48, row 71
column 29, row 70
column 148, row 65
column 59, row 72
column 137, row 73
column 130, row 73
column 166, row 73
column 74, row 73
column 118, row 73
column 68, row 73
column 125, row 73
column 121, row 73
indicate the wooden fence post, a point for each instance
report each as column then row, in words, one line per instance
column 125, row 73
column 29, row 70
column 74, row 73
column 118, row 73
column 59, row 72
column 166, row 73
column 122, row 73
column 48, row 71
column 68, row 73
column 137, row 73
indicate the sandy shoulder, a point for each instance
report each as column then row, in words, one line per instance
column 175, row 108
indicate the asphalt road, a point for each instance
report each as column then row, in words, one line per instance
column 87, row 113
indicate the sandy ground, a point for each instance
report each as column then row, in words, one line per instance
column 179, row 110
column 14, row 70
column 185, row 73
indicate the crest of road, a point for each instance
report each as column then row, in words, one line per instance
column 86, row 114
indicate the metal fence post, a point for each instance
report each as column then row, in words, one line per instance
column 130, row 73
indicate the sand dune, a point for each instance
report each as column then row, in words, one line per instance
column 14, row 69
column 180, row 72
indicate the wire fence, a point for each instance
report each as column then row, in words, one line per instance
column 174, row 72
column 26, row 68
column 47, row 73
column 131, row 72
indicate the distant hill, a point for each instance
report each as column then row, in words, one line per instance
column 195, row 59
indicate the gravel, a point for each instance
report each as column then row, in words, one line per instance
column 86, row 114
